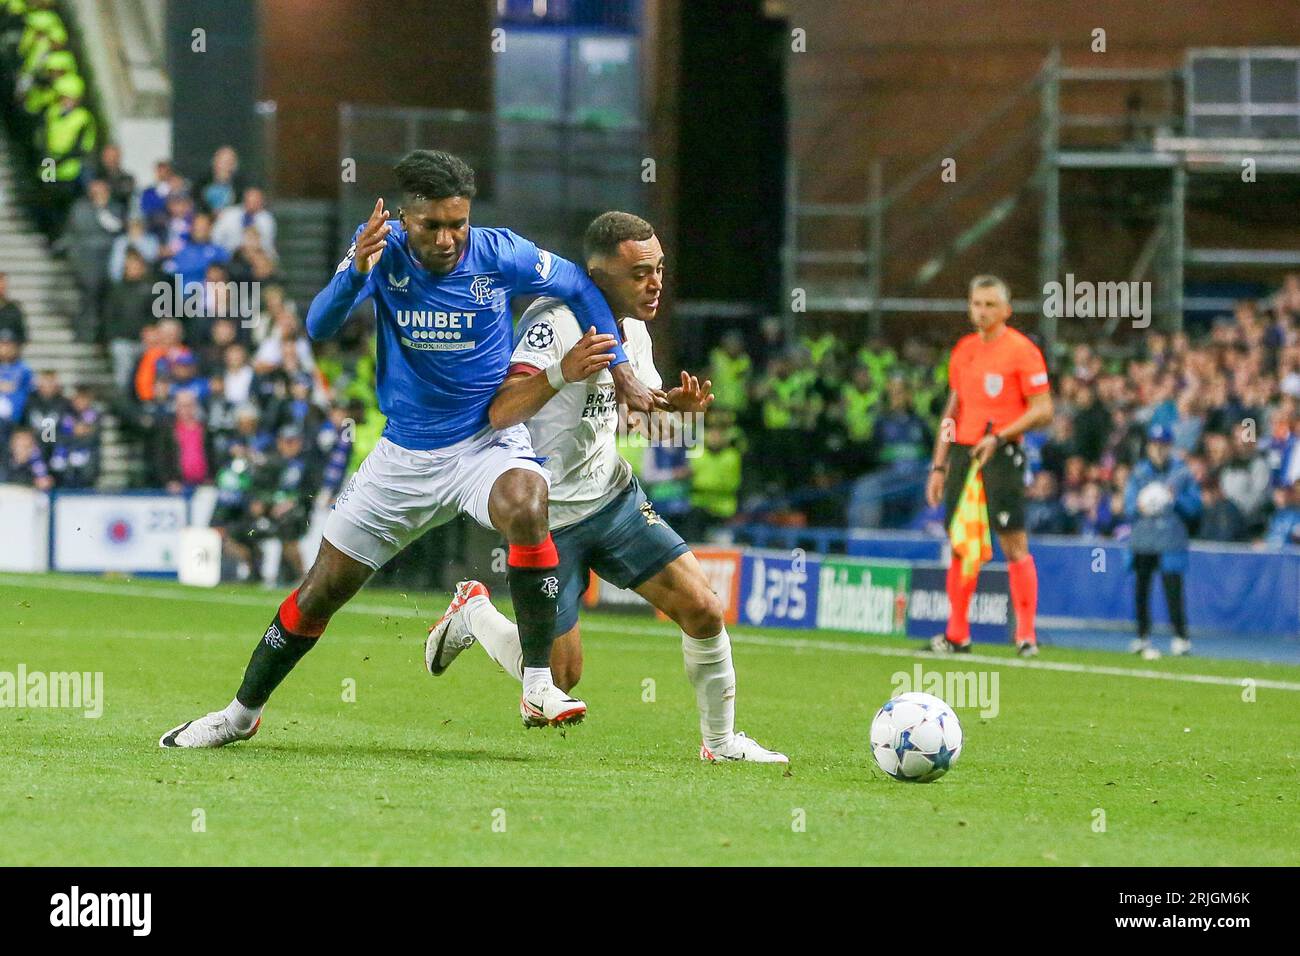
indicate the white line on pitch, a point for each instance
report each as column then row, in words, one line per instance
column 594, row 624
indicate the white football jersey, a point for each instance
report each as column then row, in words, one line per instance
column 576, row 430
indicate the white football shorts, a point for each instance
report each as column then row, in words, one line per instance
column 398, row 494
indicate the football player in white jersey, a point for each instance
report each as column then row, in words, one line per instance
column 558, row 384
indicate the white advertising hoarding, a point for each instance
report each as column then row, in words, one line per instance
column 24, row 529
column 139, row 533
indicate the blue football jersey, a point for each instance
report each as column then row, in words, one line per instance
column 445, row 340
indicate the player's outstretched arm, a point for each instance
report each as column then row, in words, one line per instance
column 334, row 303
column 523, row 393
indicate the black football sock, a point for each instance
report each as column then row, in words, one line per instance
column 281, row 647
column 535, row 591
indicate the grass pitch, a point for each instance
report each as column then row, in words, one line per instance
column 1105, row 763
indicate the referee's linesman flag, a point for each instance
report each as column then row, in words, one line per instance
column 972, row 544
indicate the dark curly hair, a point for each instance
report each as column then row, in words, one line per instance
column 434, row 174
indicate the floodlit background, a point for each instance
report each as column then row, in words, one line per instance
column 825, row 177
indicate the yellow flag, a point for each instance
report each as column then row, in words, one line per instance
column 969, row 531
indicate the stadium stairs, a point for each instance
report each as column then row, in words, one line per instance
column 305, row 240
column 44, row 286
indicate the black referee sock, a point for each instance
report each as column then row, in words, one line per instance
column 535, row 591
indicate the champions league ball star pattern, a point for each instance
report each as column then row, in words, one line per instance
column 916, row 737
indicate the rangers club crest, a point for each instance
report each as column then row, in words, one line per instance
column 540, row 335
column 992, row 384
column 481, row 289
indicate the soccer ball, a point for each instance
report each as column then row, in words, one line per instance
column 1154, row 498
column 915, row 737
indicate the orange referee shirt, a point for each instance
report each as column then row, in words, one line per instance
column 993, row 381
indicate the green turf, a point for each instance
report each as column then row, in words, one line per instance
column 418, row 770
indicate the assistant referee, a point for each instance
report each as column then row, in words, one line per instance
column 998, row 391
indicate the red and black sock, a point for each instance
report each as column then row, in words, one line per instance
column 291, row 635
column 535, row 590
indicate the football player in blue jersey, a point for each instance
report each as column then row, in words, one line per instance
column 442, row 291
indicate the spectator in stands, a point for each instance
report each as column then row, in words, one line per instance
column 715, row 483
column 153, row 200
column 1284, row 526
column 229, row 517
column 1044, row 512
column 286, row 335
column 1189, row 424
column 1163, row 502
column 901, row 441
column 191, row 261
column 1060, row 447
column 1221, row 520
column 127, row 310
column 121, row 184
column 166, row 348
column 223, row 185
column 23, row 464
column 220, row 415
column 212, row 353
column 92, row 228
column 249, row 213
column 1245, row 476
column 182, row 457
column 11, row 313
column 729, row 369
column 237, row 374
column 46, row 409
column 184, row 378
column 137, row 239
column 251, row 261
column 75, row 460
column 178, row 219
column 1091, row 424
column 859, row 402
column 287, row 495
column 16, row 383
column 68, row 137
column 334, row 442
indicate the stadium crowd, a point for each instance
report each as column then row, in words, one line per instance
column 1230, row 399
column 221, row 387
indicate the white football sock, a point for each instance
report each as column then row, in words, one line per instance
column 498, row 635
column 708, row 666
column 241, row 717
column 535, row 677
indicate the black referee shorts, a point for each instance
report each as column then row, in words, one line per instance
column 1004, row 485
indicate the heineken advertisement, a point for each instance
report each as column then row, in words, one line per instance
column 869, row 597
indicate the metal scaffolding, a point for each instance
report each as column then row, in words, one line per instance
column 1203, row 138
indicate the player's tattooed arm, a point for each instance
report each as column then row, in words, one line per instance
column 522, row 394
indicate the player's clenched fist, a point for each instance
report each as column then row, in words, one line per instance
column 589, row 354
column 370, row 244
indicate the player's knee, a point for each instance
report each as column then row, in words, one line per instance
column 520, row 501
column 703, row 617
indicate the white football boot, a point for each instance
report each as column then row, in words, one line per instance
column 451, row 634
column 548, row 706
column 742, row 747
column 1180, row 647
column 211, row 730
column 1139, row 645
